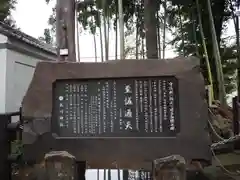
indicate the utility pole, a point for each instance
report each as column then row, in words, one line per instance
column 65, row 30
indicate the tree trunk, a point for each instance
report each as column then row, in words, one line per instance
column 164, row 26
column 137, row 39
column 101, row 40
column 217, row 57
column 95, row 46
column 199, row 14
column 116, row 39
column 238, row 57
column 105, row 29
column 108, row 36
column 78, row 41
column 194, row 29
column 93, row 31
column 150, row 28
column 236, row 25
column 143, row 49
column 137, row 45
column 142, row 33
column 182, row 33
column 158, row 36
column 65, row 27
column 121, row 28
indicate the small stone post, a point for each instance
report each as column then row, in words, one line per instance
column 169, row 168
column 60, row 165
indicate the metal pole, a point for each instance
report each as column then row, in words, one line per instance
column 121, row 28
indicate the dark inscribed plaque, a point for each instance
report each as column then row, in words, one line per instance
column 137, row 108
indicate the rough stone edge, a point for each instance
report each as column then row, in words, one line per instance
column 63, row 154
column 173, row 160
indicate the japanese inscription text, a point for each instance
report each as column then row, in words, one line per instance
column 139, row 107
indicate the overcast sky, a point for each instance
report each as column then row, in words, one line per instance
column 32, row 16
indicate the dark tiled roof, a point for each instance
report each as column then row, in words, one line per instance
column 17, row 34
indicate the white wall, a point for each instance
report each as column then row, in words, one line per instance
column 20, row 70
column 3, row 62
column 17, row 65
column 3, row 53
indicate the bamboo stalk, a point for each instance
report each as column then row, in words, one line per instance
column 121, row 28
column 220, row 77
column 205, row 49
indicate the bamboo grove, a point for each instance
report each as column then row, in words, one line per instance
column 196, row 28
